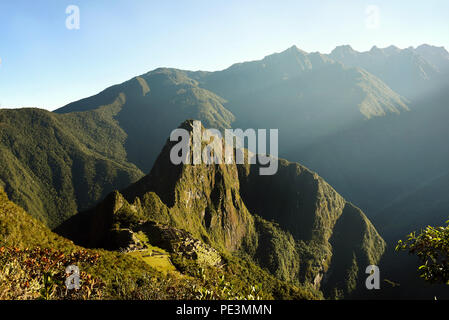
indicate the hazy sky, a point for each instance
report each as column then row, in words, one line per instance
column 44, row 64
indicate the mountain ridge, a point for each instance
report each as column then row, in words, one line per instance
column 320, row 96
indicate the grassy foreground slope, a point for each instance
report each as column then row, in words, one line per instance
column 29, row 239
column 33, row 261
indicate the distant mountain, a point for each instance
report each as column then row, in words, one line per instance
column 299, row 81
column 410, row 72
column 395, row 169
column 314, row 232
column 437, row 56
column 305, row 94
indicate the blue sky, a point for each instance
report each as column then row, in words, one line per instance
column 46, row 65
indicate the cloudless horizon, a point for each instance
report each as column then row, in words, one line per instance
column 46, row 65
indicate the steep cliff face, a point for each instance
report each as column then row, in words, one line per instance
column 293, row 194
column 289, row 223
column 356, row 245
column 303, row 204
column 332, row 237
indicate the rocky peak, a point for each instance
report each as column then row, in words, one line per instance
column 341, row 51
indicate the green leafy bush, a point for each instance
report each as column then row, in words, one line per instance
column 432, row 248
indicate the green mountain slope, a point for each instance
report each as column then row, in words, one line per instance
column 30, row 240
column 19, row 229
column 155, row 103
column 56, row 165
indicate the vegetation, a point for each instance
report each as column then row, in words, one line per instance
column 431, row 246
column 155, row 257
column 258, row 284
column 277, row 251
column 40, row 274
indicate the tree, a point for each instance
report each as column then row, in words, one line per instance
column 432, row 248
